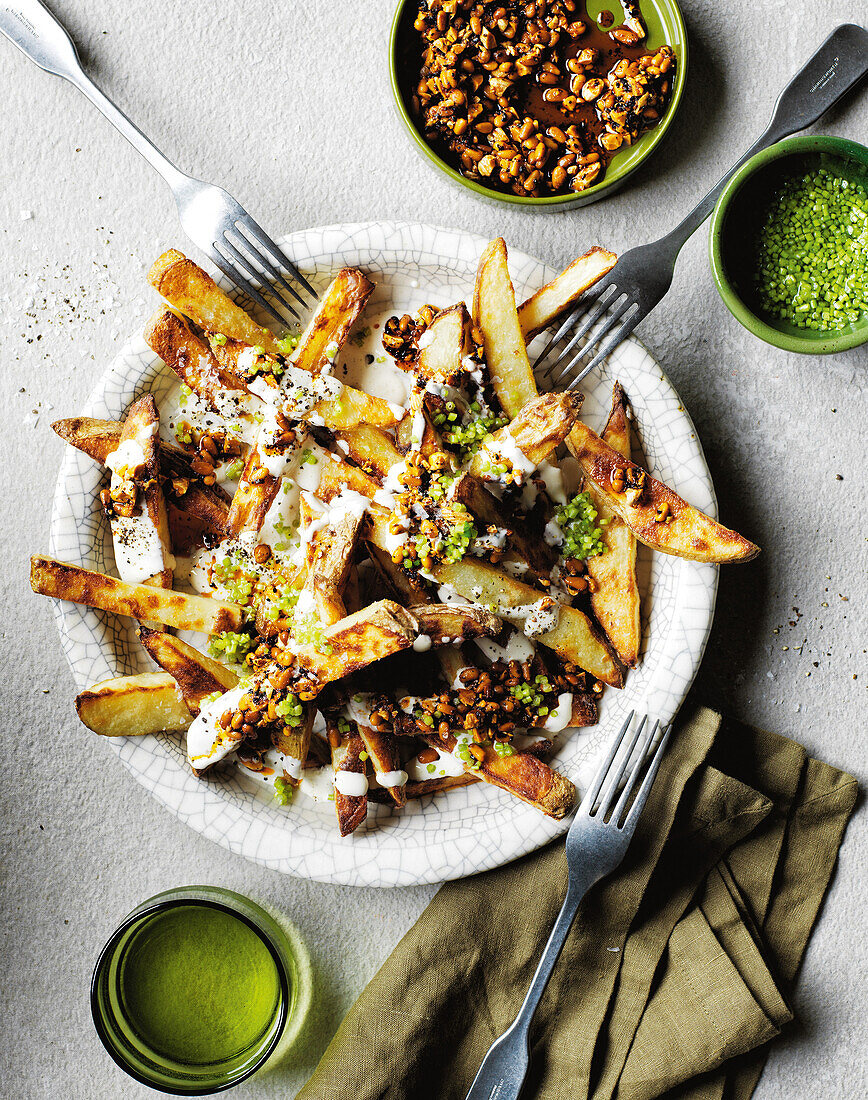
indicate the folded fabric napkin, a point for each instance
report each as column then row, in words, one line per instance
column 676, row 972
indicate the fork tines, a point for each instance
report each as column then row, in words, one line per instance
column 603, row 800
column 253, row 261
column 604, row 309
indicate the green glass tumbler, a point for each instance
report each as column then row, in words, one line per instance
column 196, row 988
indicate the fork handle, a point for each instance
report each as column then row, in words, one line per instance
column 30, row 26
column 830, row 73
column 504, row 1067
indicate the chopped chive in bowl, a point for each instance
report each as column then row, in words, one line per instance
column 812, row 251
column 788, row 243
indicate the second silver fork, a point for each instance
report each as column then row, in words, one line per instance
column 213, row 220
column 596, row 843
column 642, row 276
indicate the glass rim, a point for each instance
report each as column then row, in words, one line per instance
column 148, row 910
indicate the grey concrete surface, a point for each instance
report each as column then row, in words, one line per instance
column 289, row 106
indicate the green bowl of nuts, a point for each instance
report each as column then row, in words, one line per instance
column 789, row 241
column 548, row 104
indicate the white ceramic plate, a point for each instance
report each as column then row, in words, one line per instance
column 466, row 830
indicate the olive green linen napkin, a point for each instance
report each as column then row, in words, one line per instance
column 675, row 972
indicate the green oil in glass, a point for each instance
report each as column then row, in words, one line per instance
column 198, row 985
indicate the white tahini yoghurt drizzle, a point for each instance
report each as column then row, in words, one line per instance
column 139, row 550
column 351, row 784
column 207, row 741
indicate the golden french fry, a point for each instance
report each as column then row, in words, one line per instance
column 197, row 675
column 132, row 706
column 351, row 809
column 190, row 357
column 491, row 512
column 337, row 311
column 255, row 494
column 556, row 297
column 443, row 344
column 538, row 428
column 654, row 513
column 522, row 774
column 193, row 292
column 63, row 581
column 614, row 592
column 382, row 749
column 146, row 529
column 378, row 630
column 496, row 317
column 371, row 448
column 574, row 637
column 193, row 508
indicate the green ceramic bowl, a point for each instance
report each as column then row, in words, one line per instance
column 735, row 223
column 664, row 24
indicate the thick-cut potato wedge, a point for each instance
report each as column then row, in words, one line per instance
column 416, row 431
column 556, row 297
column 401, row 584
column 338, row 310
column 615, row 596
column 190, row 357
column 330, row 556
column 351, row 810
column 371, row 448
column 378, row 630
column 496, row 317
column 193, row 361
column 97, row 438
column 194, row 293
column 421, row 788
column 199, row 510
column 537, row 430
column 522, row 775
column 485, row 506
column 63, row 581
column 442, row 345
column 252, row 498
column 141, row 427
column 585, row 712
column 335, row 476
column 197, row 676
column 354, row 407
column 131, row 706
column 688, row 534
column 294, row 741
column 382, row 750
column 446, row 623
column 575, row 637
column 334, row 549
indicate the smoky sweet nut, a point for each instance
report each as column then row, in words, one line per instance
column 534, row 98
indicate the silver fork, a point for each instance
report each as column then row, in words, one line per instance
column 210, row 217
column 642, row 276
column 596, row 843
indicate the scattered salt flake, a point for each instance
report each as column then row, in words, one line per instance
column 770, row 675
column 26, row 215
column 615, row 949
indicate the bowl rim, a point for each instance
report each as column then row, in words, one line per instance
column 811, row 143
column 546, row 202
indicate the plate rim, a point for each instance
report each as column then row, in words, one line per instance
column 364, row 871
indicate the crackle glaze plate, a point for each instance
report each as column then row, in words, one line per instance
column 463, row 831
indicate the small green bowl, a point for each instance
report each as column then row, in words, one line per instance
column 735, row 223
column 665, row 25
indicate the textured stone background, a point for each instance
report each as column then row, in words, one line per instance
column 288, row 105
